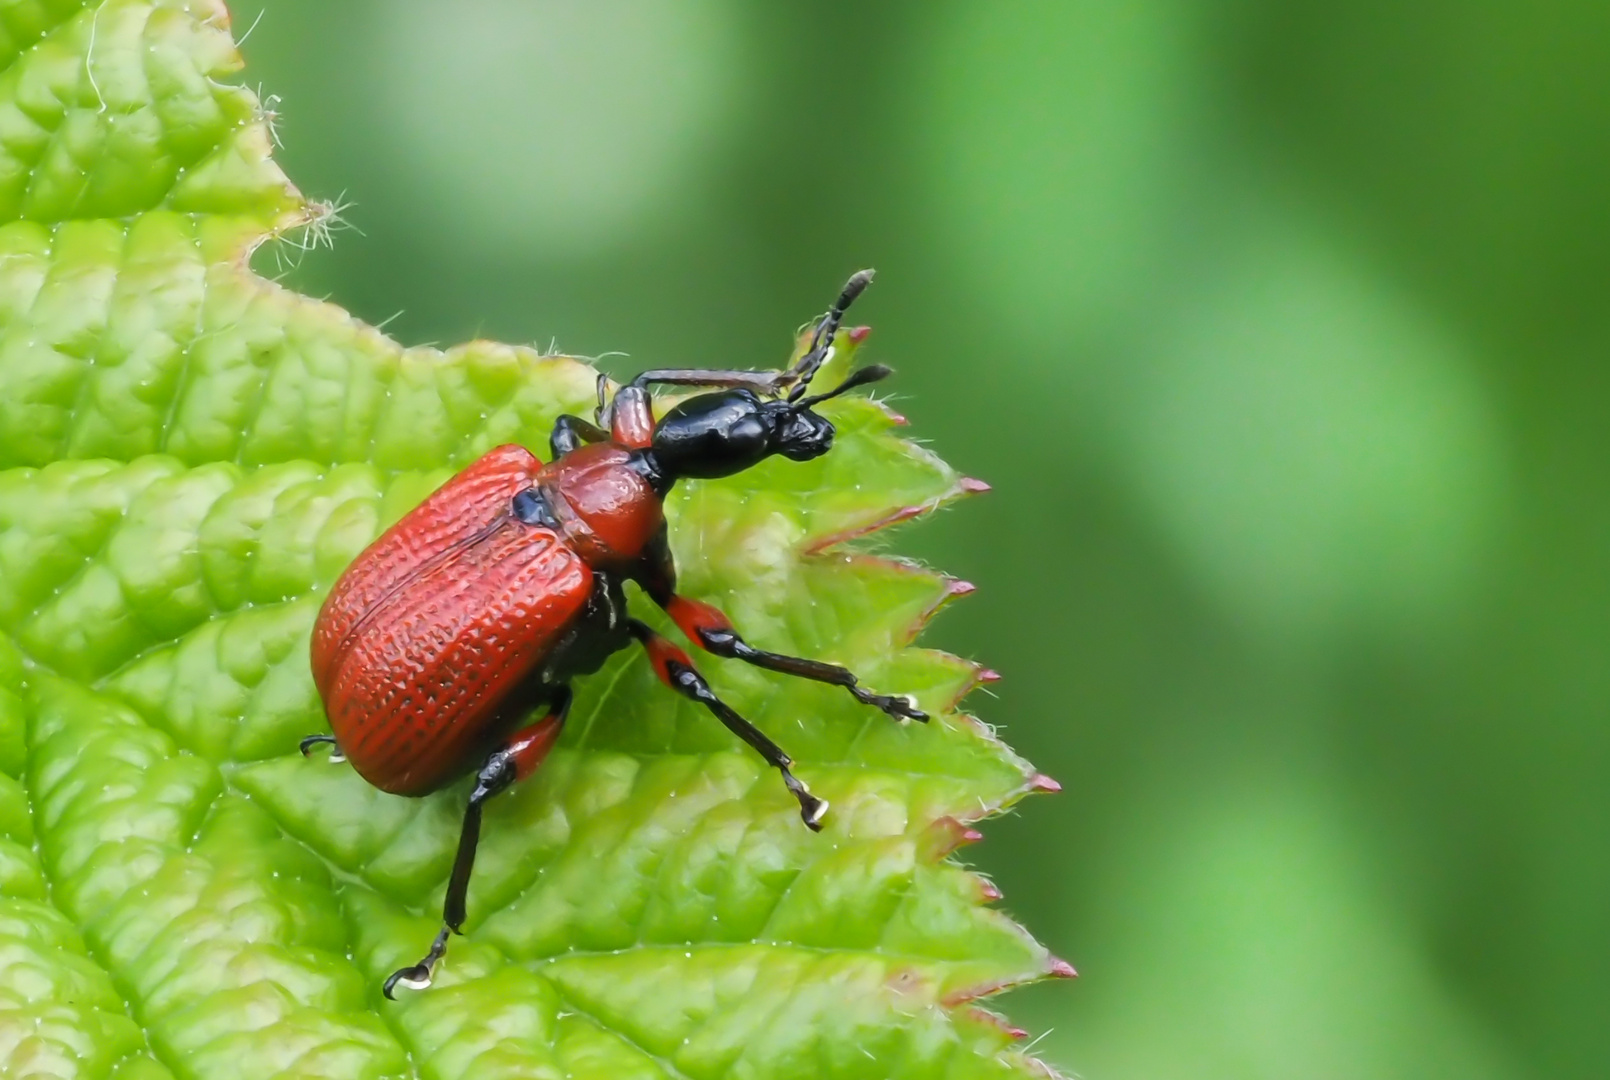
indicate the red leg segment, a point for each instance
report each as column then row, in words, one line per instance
column 631, row 417
column 527, row 747
column 695, row 618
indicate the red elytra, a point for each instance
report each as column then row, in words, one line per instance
column 479, row 607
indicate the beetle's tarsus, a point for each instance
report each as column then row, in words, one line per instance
column 307, row 745
column 409, row 978
column 417, row 977
column 898, row 706
column 811, row 809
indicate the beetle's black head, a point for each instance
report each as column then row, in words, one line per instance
column 726, row 432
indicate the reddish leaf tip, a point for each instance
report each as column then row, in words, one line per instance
column 998, row 1022
column 1061, row 969
column 974, row 486
column 895, row 517
column 988, row 675
column 1042, row 782
column 945, row 835
column 958, row 587
column 859, row 334
column 988, row 891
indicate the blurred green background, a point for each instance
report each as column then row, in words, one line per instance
column 1279, row 329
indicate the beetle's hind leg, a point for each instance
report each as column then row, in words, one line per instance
column 676, row 670
column 516, row 759
column 307, row 745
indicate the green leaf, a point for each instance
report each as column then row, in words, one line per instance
column 190, row 454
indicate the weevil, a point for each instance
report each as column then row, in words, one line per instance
column 478, row 608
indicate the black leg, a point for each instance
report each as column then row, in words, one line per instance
column 676, row 670
column 307, row 745
column 765, row 382
column 728, row 643
column 520, row 754
column 570, row 432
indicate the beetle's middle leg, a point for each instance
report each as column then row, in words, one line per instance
column 710, row 628
column 515, row 760
column 676, row 670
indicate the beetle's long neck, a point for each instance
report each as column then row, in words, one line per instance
column 650, row 468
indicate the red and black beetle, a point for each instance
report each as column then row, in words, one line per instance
column 482, row 604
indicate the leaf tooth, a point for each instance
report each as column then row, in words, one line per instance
column 944, row 836
column 980, row 1015
column 885, row 519
column 1051, row 967
column 780, row 1012
column 958, row 998
column 978, row 676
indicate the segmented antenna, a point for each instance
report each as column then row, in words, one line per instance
column 822, row 340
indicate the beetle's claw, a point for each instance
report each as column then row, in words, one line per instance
column 409, row 978
column 811, row 809
column 418, row 976
column 307, row 745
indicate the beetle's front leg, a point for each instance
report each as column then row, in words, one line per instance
column 629, row 414
column 519, row 756
column 570, row 432
column 705, row 624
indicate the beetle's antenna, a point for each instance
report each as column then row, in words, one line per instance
column 822, row 340
column 869, row 374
